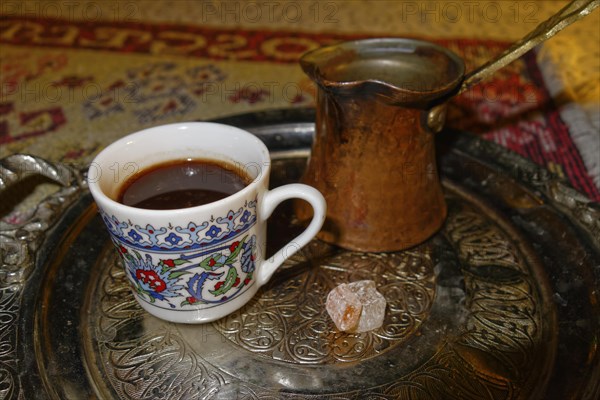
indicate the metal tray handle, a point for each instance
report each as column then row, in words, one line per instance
column 19, row 243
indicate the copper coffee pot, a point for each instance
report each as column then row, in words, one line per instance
column 379, row 104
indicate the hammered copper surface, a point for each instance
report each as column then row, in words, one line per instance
column 502, row 303
column 373, row 158
column 375, row 165
column 379, row 101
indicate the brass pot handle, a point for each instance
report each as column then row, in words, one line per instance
column 572, row 12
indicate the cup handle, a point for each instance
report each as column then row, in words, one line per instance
column 270, row 201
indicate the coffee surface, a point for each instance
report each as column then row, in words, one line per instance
column 181, row 184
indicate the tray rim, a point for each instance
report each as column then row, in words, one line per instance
column 32, row 238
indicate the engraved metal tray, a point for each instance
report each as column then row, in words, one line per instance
column 502, row 303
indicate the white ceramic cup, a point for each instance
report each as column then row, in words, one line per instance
column 200, row 263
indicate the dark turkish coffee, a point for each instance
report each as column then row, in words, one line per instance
column 181, row 184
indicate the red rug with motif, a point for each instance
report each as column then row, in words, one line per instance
column 69, row 88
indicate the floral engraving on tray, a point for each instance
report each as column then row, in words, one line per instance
column 492, row 354
column 501, row 340
column 21, row 238
column 9, row 375
column 156, row 364
column 289, row 321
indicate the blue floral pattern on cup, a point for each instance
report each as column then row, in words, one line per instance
column 201, row 263
column 209, row 277
column 195, row 235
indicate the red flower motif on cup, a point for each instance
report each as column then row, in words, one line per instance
column 151, row 278
column 211, row 276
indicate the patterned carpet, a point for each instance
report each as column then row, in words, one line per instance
column 70, row 86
